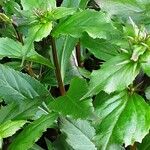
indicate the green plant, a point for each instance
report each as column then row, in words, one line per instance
column 75, row 76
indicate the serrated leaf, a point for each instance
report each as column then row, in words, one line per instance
column 125, row 116
column 9, row 128
column 115, row 75
column 70, row 104
column 15, row 112
column 12, row 49
column 32, row 132
column 18, row 87
column 100, row 48
column 96, row 24
column 79, row 134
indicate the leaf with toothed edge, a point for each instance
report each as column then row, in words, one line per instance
column 32, row 132
column 115, row 75
column 123, row 118
column 70, row 104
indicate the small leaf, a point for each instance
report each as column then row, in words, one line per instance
column 32, row 132
column 115, row 75
column 79, row 134
column 124, row 116
column 10, row 127
column 96, row 24
column 70, row 104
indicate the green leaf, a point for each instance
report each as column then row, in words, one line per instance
column 39, row 31
column 12, row 49
column 79, row 134
column 115, row 75
column 145, row 62
column 123, row 118
column 83, row 3
column 36, row 147
column 65, row 47
column 96, row 24
column 61, row 143
column 10, row 127
column 11, row 7
column 61, row 12
column 49, row 144
column 15, row 112
column 147, row 92
column 16, row 86
column 36, row 33
column 100, row 48
column 32, row 132
column 70, row 3
column 126, row 9
column 34, row 4
column 70, row 104
column 145, row 145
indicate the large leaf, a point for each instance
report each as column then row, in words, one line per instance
column 70, row 104
column 79, row 134
column 100, row 48
column 114, row 75
column 96, row 24
column 123, row 118
column 12, row 49
column 16, row 86
column 15, row 112
column 32, row 132
column 10, row 127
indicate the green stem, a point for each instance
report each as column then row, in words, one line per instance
column 57, row 67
